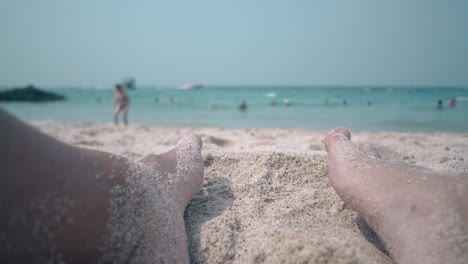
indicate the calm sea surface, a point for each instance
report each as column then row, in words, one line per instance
column 391, row 109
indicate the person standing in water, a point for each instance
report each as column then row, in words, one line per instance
column 439, row 104
column 452, row 102
column 122, row 103
column 242, row 106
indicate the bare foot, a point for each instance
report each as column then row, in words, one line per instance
column 59, row 203
column 421, row 215
column 146, row 222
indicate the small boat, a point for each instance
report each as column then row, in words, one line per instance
column 190, row 86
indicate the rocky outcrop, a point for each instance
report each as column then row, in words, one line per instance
column 29, row 94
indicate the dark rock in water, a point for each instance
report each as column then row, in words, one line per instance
column 29, row 94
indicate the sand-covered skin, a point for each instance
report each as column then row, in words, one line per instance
column 266, row 197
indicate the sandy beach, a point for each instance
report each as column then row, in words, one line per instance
column 266, row 196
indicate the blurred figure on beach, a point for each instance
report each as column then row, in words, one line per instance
column 452, row 102
column 286, row 102
column 345, row 102
column 242, row 106
column 171, row 101
column 272, row 102
column 122, row 103
column 439, row 104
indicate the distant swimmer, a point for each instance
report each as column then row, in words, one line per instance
column 369, row 103
column 286, row 102
column 439, row 104
column 345, row 102
column 452, row 102
column 214, row 106
column 171, row 101
column 122, row 103
column 156, row 100
column 272, row 98
column 242, row 106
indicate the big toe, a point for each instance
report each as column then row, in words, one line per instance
column 340, row 149
column 181, row 168
column 355, row 177
column 188, row 151
column 336, row 137
column 190, row 165
column 185, row 156
column 189, row 143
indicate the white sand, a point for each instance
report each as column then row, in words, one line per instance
column 266, row 196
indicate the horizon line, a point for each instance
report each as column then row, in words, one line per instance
column 146, row 86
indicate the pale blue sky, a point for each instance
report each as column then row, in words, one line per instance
column 236, row 42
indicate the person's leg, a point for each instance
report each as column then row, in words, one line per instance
column 421, row 215
column 115, row 114
column 59, row 202
column 125, row 114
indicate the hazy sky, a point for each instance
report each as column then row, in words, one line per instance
column 234, row 42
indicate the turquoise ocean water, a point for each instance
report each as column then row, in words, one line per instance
column 392, row 108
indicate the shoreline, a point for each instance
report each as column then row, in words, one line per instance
column 265, row 195
column 41, row 123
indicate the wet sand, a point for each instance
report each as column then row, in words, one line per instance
column 266, row 197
